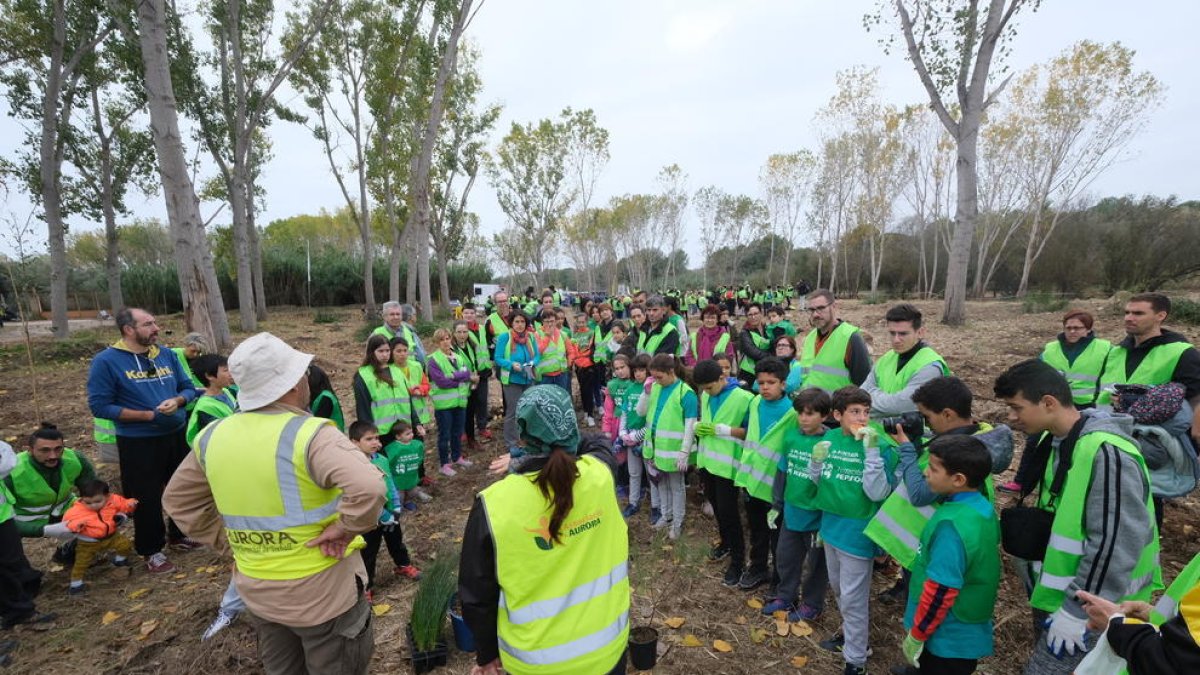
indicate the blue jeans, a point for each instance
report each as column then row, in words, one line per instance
column 450, row 424
column 562, row 379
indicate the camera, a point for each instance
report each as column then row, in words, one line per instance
column 913, row 424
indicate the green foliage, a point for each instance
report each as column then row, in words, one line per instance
column 439, row 580
column 1185, row 311
column 327, row 316
column 1039, row 302
column 78, row 346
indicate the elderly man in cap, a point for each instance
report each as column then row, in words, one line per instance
column 291, row 493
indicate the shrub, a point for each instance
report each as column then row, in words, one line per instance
column 1039, row 302
column 1185, row 311
column 439, row 581
column 326, row 316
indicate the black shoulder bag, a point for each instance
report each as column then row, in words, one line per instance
column 1025, row 530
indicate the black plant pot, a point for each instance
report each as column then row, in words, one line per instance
column 423, row 662
column 643, row 647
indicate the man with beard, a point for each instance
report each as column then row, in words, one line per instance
column 834, row 354
column 144, row 389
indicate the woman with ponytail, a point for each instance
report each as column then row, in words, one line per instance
column 545, row 552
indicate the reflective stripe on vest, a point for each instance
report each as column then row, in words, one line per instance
column 390, row 403
column 104, row 431
column 665, row 439
column 649, row 345
column 1168, row 604
column 554, row 356
column 411, row 374
column 447, row 398
column 1067, row 535
column 761, row 452
column 722, row 456
column 827, row 369
column 478, row 337
column 33, row 499
column 1084, row 373
column 760, row 340
column 1156, row 368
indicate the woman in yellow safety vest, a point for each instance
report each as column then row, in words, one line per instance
column 545, row 553
column 450, row 381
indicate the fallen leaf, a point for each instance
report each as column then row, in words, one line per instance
column 138, row 593
column 381, row 609
column 147, row 628
column 781, row 615
column 171, row 609
column 781, row 628
column 109, row 617
column 55, row 567
column 675, row 621
column 757, row 635
column 690, row 640
column 801, row 629
column 740, row 620
column 458, row 540
column 137, row 607
column 181, row 575
column 436, row 535
column 722, row 646
column 754, row 603
column 799, row 661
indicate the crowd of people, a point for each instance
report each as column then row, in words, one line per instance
column 817, row 463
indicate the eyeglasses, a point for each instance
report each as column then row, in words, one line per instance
column 814, row 310
column 755, row 313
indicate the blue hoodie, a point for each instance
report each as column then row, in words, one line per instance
column 120, row 379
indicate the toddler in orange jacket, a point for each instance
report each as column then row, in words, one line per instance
column 94, row 518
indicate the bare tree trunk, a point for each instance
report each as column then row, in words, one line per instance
column 256, row 266
column 954, row 309
column 410, row 281
column 203, row 310
column 51, row 164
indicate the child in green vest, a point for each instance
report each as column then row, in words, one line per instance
column 957, row 573
column 405, row 455
column 218, row 400
column 847, row 482
column 671, row 410
column 801, row 522
column 631, row 429
column 366, row 437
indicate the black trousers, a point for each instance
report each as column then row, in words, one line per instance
column 146, row 466
column 477, row 407
column 394, row 538
column 589, row 388
column 932, row 664
column 722, row 494
column 19, row 582
column 762, row 538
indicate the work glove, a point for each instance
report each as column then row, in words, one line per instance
column 912, row 648
column 1064, row 633
column 705, row 429
column 773, row 519
column 58, row 531
column 868, row 435
column 820, row 452
column 681, row 464
column 723, row 430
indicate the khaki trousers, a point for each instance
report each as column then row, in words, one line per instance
column 340, row 646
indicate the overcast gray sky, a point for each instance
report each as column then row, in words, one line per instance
column 718, row 85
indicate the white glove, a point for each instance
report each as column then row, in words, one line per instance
column 868, row 435
column 1064, row 633
column 772, row 517
column 58, row 531
column 723, row 430
column 681, row 464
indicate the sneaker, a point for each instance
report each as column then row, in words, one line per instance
column 158, row 564
column 733, row 574
column 407, row 571
column 587, row 419
column 673, row 534
column 630, row 510
column 661, row 523
column 622, row 492
column 120, row 561
column 224, row 620
column 410, row 506
column 77, row 590
column 655, row 516
column 448, row 470
column 837, row 642
column 463, row 461
column 185, row 544
column 752, row 579
column 896, row 595
column 1010, row 486
column 421, row 495
column 777, row 605
column 425, row 481
column 852, row 669
column 804, row 612
column 718, row 553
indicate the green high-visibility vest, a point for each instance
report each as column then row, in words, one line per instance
column 840, row 491
column 1168, row 605
column 680, row 324
column 890, row 381
column 827, row 369
column 719, row 348
column 104, row 431
column 338, row 418
column 664, row 442
column 1084, row 373
column 6, row 504
column 257, row 467
column 409, row 336
column 761, row 451
column 1157, row 368
column 411, row 374
column 451, row 397
column 649, row 345
column 478, row 338
column 980, row 536
column 497, row 323
column 211, row 406
column 390, row 403
column 898, row 525
column 600, row 340
column 564, row 606
column 531, row 344
column 722, row 456
column 1067, row 535
column 762, row 341
column 187, row 369
column 33, row 499
column 554, row 357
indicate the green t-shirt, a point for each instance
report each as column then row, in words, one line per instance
column 404, row 460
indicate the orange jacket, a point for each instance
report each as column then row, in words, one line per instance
column 98, row 524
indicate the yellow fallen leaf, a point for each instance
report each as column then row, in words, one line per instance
column 138, row 593
column 147, row 628
column 181, row 575
column 758, row 635
column 799, row 661
column 675, row 621
column 55, row 567
column 458, row 540
column 740, row 620
column 690, row 640
column 754, row 603
column 109, row 617
column 137, row 606
column 722, row 646
column 381, row 609
column 781, row 628
column 436, row 535
column 781, row 615
column 801, row 629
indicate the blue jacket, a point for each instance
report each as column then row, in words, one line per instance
column 119, row 378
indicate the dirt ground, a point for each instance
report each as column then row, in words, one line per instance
column 155, row 623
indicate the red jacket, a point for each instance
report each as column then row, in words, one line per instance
column 100, row 524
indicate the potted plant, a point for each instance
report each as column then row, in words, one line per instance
column 426, row 627
column 653, row 570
